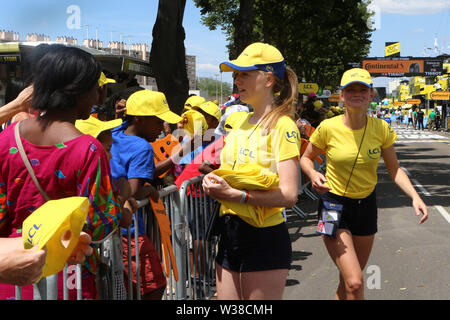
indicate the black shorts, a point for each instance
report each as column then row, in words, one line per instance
column 359, row 216
column 245, row 248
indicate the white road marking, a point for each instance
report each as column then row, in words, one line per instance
column 419, row 141
column 443, row 212
column 418, row 185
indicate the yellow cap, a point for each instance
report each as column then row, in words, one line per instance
column 258, row 56
column 356, row 75
column 151, row 103
column 46, row 226
column 194, row 101
column 212, row 109
column 94, row 127
column 234, row 120
column 196, row 122
column 104, row 80
column 318, row 104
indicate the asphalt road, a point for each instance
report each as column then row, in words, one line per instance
column 408, row 261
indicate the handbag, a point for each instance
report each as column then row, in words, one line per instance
column 213, row 228
column 330, row 216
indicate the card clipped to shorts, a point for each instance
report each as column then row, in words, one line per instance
column 330, row 216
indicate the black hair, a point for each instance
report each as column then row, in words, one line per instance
column 108, row 110
column 13, row 88
column 32, row 59
column 61, row 75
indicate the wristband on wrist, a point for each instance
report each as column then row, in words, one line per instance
column 245, row 196
column 242, row 197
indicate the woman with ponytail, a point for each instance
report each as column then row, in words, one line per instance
column 257, row 179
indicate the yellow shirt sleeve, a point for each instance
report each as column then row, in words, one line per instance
column 389, row 135
column 319, row 136
column 289, row 141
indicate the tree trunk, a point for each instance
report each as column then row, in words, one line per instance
column 243, row 28
column 168, row 54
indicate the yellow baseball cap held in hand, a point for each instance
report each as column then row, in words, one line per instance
column 235, row 120
column 94, row 127
column 356, row 75
column 196, row 122
column 258, row 56
column 212, row 109
column 151, row 103
column 47, row 225
column 194, row 101
column 104, row 80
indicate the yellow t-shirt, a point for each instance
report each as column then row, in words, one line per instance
column 246, row 144
column 341, row 145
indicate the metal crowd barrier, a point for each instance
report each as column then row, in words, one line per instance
column 188, row 210
column 201, row 271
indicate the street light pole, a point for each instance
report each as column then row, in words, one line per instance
column 87, row 34
column 221, row 95
column 120, row 44
column 216, row 75
column 111, row 31
column 96, row 37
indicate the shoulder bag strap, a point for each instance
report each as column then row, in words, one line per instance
column 27, row 162
column 354, row 163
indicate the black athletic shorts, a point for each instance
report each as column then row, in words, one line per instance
column 245, row 248
column 359, row 216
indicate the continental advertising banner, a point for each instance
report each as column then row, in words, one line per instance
column 402, row 67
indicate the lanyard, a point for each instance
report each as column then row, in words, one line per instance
column 354, row 163
column 251, row 133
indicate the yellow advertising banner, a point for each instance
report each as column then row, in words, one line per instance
column 334, row 98
column 440, row 95
column 307, row 87
column 413, row 101
column 392, row 49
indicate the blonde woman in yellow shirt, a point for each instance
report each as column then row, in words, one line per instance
column 258, row 177
column 354, row 144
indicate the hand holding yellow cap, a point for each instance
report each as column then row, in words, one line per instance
column 47, row 227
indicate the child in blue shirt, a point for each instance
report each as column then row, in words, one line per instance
column 133, row 158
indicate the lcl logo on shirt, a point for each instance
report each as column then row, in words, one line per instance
column 374, row 153
column 291, row 137
column 245, row 153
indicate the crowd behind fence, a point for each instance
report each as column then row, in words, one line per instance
column 189, row 210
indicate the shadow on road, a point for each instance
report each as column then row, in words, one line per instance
column 295, row 226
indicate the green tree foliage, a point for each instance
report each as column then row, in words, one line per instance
column 235, row 17
column 211, row 85
column 317, row 38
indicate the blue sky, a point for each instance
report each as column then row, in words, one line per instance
column 414, row 23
